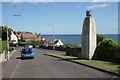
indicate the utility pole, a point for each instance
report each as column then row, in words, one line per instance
column 7, row 32
column 53, row 38
column 7, row 35
column 53, row 35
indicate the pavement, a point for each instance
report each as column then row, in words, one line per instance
column 43, row 66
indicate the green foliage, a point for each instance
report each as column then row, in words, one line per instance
column 3, row 46
column 11, row 44
column 4, row 32
column 62, row 46
column 108, row 43
column 72, row 46
column 23, row 40
column 73, row 50
column 28, row 32
column 36, row 42
column 10, row 49
column 37, row 34
column 99, row 38
column 108, row 50
column 20, row 42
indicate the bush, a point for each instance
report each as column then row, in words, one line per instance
column 72, row 46
column 108, row 50
column 11, row 44
column 10, row 49
column 23, row 40
column 99, row 38
column 20, row 42
column 61, row 48
column 36, row 42
column 108, row 43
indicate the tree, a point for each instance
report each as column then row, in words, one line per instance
column 4, row 32
column 38, row 35
column 28, row 32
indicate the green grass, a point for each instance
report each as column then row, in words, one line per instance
column 62, row 56
column 114, row 67
column 3, row 46
column 101, row 64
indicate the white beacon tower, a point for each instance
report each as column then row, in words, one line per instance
column 88, row 37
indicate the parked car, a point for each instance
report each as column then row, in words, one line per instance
column 16, row 45
column 30, row 46
column 27, row 52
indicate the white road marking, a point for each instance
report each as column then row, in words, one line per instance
column 15, row 69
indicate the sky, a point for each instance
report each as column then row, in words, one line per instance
column 67, row 17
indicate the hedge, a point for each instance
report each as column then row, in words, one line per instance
column 59, row 48
column 3, row 46
column 71, row 51
column 108, row 50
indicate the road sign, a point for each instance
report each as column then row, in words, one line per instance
column 46, row 45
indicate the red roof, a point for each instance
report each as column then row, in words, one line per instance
column 18, row 35
column 29, row 35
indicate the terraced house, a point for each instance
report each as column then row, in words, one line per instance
column 29, row 37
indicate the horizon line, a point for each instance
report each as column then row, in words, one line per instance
column 76, row 34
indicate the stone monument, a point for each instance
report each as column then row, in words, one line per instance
column 88, row 37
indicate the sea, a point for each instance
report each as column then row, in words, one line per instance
column 76, row 38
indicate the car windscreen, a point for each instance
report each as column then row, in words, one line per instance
column 25, row 51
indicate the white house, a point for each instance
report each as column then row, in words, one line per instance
column 42, row 39
column 14, row 38
column 58, row 42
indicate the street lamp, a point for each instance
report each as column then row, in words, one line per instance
column 53, row 35
column 7, row 31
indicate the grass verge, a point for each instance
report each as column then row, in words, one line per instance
column 109, row 66
column 62, row 56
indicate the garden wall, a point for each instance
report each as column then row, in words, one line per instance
column 4, row 56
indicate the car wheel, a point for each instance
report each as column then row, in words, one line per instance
column 22, row 58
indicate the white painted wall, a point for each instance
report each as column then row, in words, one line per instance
column 14, row 37
column 59, row 43
column 88, row 38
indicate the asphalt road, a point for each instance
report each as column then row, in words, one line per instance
column 44, row 66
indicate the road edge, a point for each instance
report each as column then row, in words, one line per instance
column 110, row 72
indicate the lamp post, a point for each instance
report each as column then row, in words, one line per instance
column 53, row 35
column 7, row 31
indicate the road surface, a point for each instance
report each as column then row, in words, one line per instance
column 44, row 66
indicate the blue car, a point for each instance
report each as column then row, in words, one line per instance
column 27, row 52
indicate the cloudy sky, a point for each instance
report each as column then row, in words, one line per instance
column 67, row 17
